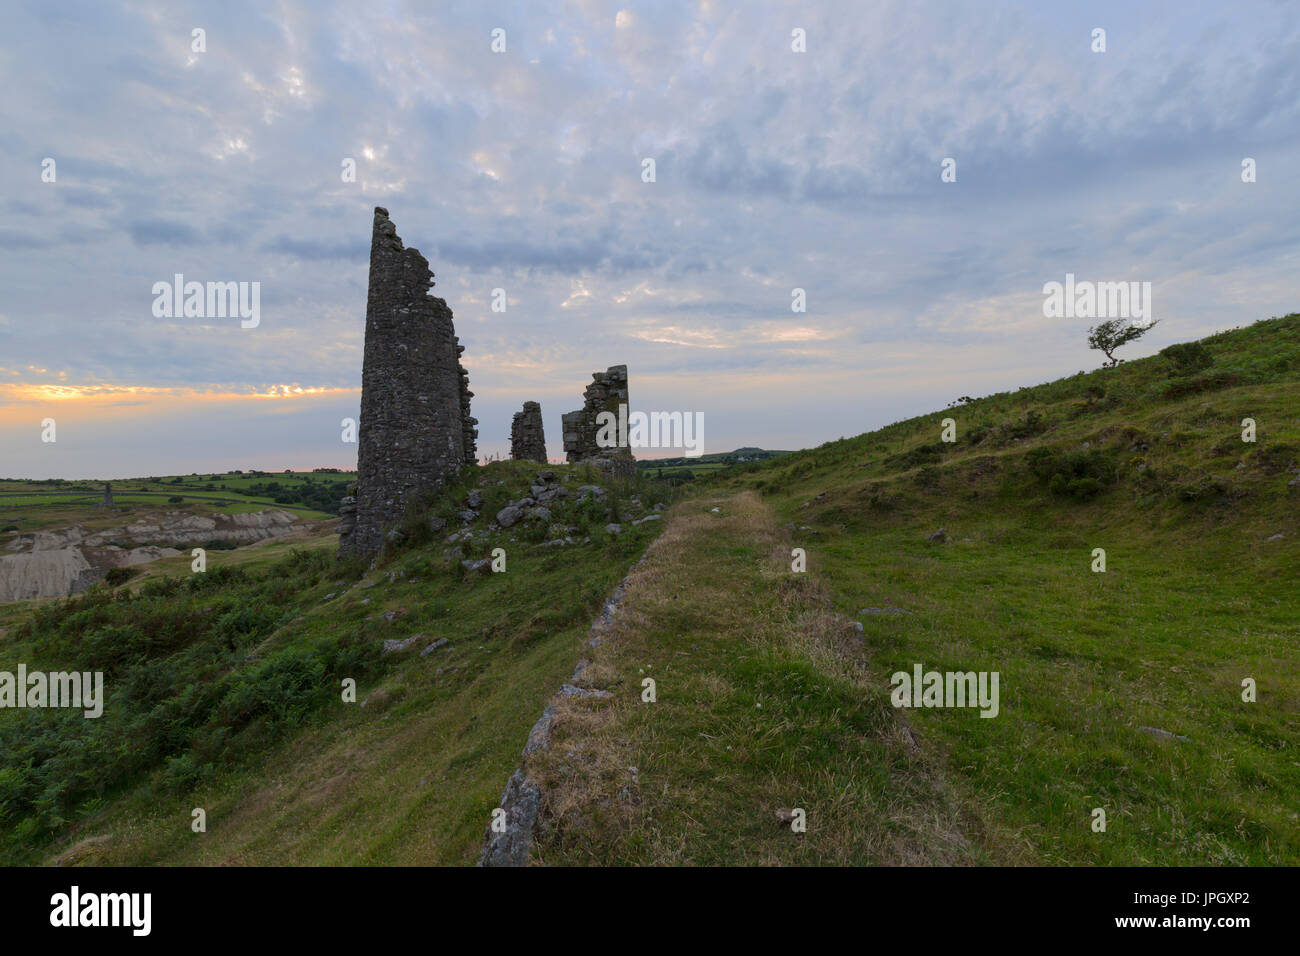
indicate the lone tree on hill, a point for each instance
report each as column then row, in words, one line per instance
column 1111, row 334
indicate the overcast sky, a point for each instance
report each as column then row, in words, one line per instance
column 522, row 170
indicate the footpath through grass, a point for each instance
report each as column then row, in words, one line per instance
column 767, row 701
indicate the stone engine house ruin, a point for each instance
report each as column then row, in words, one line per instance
column 416, row 430
column 606, row 393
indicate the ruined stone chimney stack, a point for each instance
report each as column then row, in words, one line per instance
column 527, row 441
column 415, row 429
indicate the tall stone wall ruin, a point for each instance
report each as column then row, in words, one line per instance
column 527, row 441
column 606, row 393
column 415, row 430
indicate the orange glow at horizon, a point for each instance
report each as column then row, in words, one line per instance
column 18, row 402
column 34, row 394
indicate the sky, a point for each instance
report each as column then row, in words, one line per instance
column 774, row 170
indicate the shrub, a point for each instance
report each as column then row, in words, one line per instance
column 160, row 587
column 927, row 476
column 184, row 695
column 1272, row 459
column 920, row 455
column 1076, row 474
column 1208, row 382
column 1205, row 489
column 1074, row 487
column 1187, row 357
column 1032, row 424
column 116, row 576
column 175, row 499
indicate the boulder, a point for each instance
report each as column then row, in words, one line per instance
column 521, row 802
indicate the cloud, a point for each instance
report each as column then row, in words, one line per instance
column 355, row 250
column 522, row 170
column 147, row 232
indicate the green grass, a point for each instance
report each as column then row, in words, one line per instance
column 1194, row 599
column 224, row 693
column 765, row 703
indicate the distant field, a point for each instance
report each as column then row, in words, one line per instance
column 312, row 494
column 688, row 469
column 20, row 500
column 669, row 471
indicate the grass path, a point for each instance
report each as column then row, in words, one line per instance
column 765, row 702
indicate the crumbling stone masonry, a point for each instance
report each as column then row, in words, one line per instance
column 108, row 495
column 606, row 393
column 527, row 442
column 415, row 429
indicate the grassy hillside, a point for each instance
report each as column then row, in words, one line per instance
column 224, row 691
column 1120, row 690
column 1201, row 533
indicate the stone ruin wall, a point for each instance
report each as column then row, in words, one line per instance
column 606, row 393
column 527, row 441
column 415, row 430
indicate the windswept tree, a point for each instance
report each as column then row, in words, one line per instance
column 1111, row 334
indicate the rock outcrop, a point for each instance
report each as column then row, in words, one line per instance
column 44, row 564
column 415, row 430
